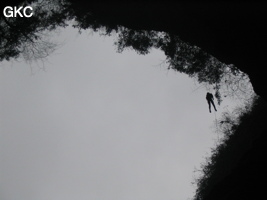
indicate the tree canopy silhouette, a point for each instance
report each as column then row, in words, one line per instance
column 25, row 36
column 140, row 28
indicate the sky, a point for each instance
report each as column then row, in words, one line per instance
column 91, row 123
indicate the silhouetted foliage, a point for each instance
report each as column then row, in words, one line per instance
column 25, row 36
column 184, row 58
column 238, row 135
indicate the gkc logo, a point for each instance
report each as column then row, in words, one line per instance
column 21, row 11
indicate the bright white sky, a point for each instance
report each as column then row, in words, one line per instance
column 101, row 125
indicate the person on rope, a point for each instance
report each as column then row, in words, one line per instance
column 210, row 98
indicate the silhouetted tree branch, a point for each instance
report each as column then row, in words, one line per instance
column 22, row 36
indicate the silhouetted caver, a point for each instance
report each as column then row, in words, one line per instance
column 209, row 98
